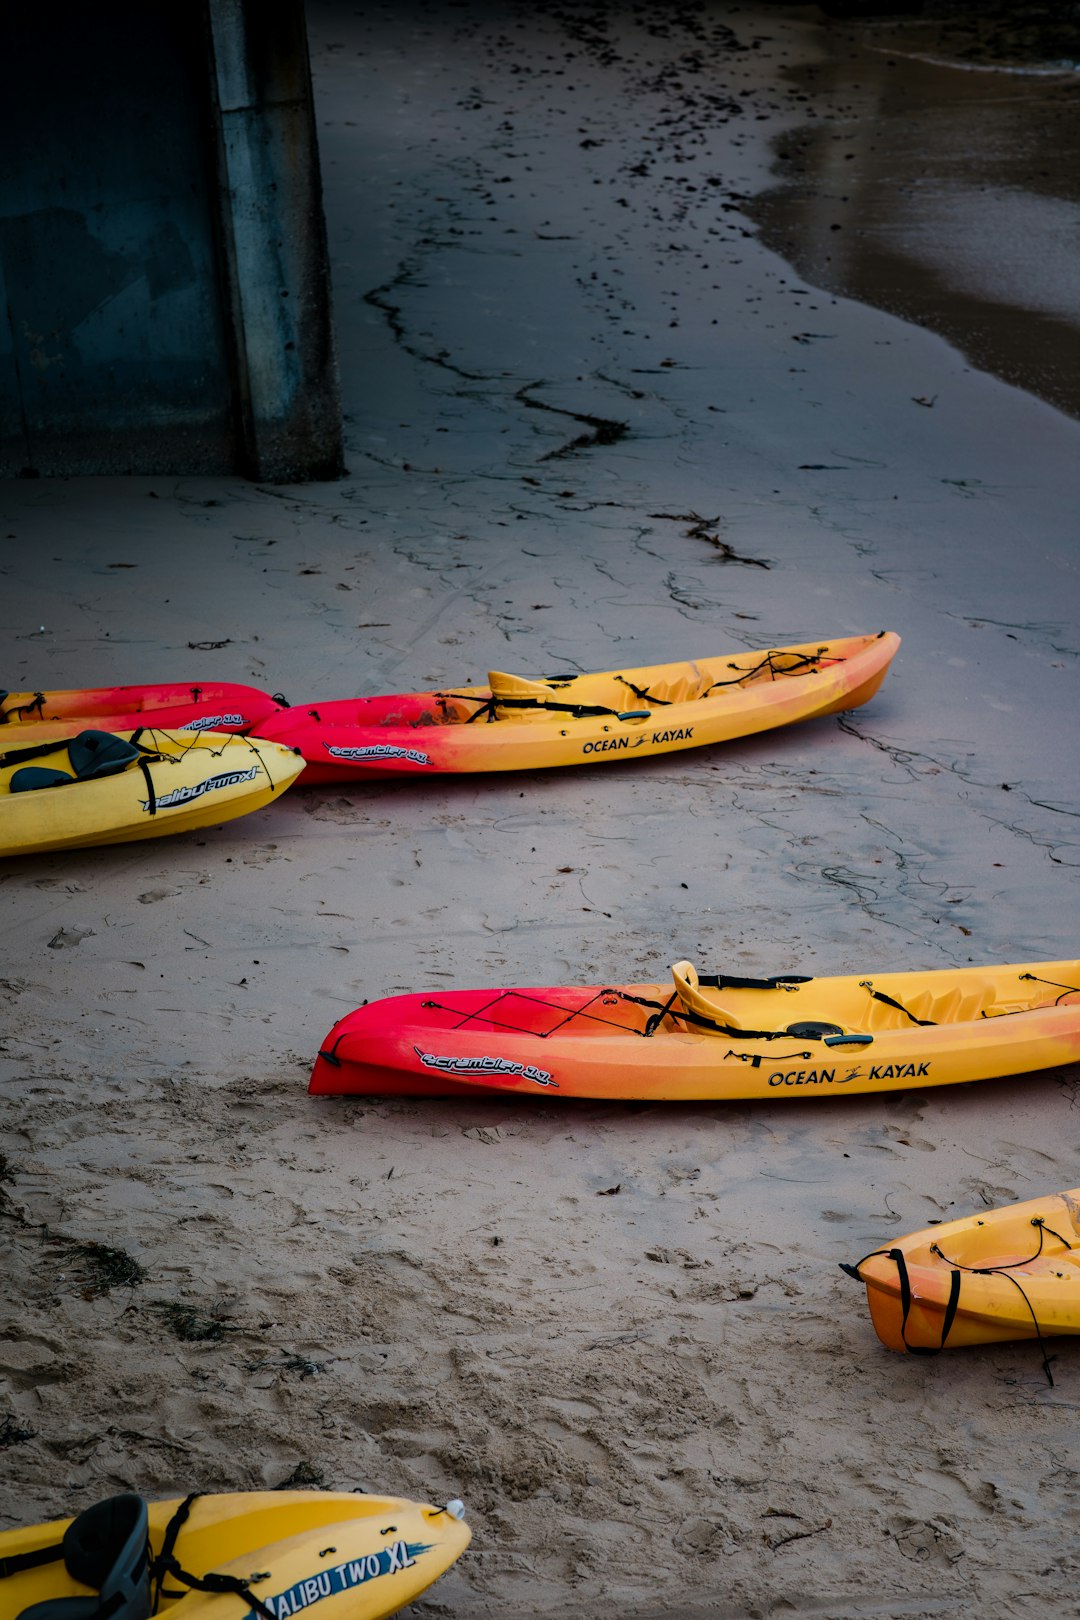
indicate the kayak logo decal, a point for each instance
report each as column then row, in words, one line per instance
column 343, row 1578
column 811, row 1077
column 186, row 795
column 898, row 1071
column 828, row 1077
column 211, row 720
column 485, row 1065
column 379, row 751
column 607, row 744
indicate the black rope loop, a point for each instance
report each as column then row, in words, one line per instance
column 1069, row 989
column 1005, row 1271
column 800, row 663
column 19, row 709
column 1037, row 1220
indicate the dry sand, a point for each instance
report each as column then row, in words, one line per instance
column 666, row 1400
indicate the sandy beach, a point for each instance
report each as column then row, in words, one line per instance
column 573, row 376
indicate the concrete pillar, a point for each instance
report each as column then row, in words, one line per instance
column 274, row 241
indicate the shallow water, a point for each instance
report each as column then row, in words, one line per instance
column 947, row 194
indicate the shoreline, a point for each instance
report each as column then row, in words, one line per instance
column 956, row 203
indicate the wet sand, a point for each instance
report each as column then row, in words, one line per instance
column 944, row 187
column 663, row 1399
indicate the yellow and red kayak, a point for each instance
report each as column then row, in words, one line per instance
column 718, row 1037
column 516, row 723
column 31, row 717
column 1009, row 1273
column 270, row 1554
column 103, row 787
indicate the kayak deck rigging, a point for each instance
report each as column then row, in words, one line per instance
column 505, row 703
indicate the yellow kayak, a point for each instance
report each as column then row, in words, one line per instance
column 105, row 787
column 261, row 1553
column 1009, row 1273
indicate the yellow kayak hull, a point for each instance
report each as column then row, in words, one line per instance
column 196, row 779
column 345, row 1556
column 1015, row 1273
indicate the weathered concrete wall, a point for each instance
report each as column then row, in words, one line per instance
column 114, row 342
column 154, row 211
column 274, row 240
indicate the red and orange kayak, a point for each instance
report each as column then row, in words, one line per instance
column 32, row 717
column 712, row 1037
column 515, row 723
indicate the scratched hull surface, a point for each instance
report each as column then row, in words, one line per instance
column 799, row 1038
column 31, row 717
column 1007, row 1273
column 516, row 723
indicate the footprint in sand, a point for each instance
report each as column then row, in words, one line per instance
column 65, row 937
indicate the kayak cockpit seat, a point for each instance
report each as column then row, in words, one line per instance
column 92, row 754
column 705, row 1010
column 100, row 753
column 107, row 1548
column 703, row 1005
column 31, row 777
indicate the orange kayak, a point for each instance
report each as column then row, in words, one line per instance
column 1008, row 1273
column 713, row 1037
column 517, row 723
